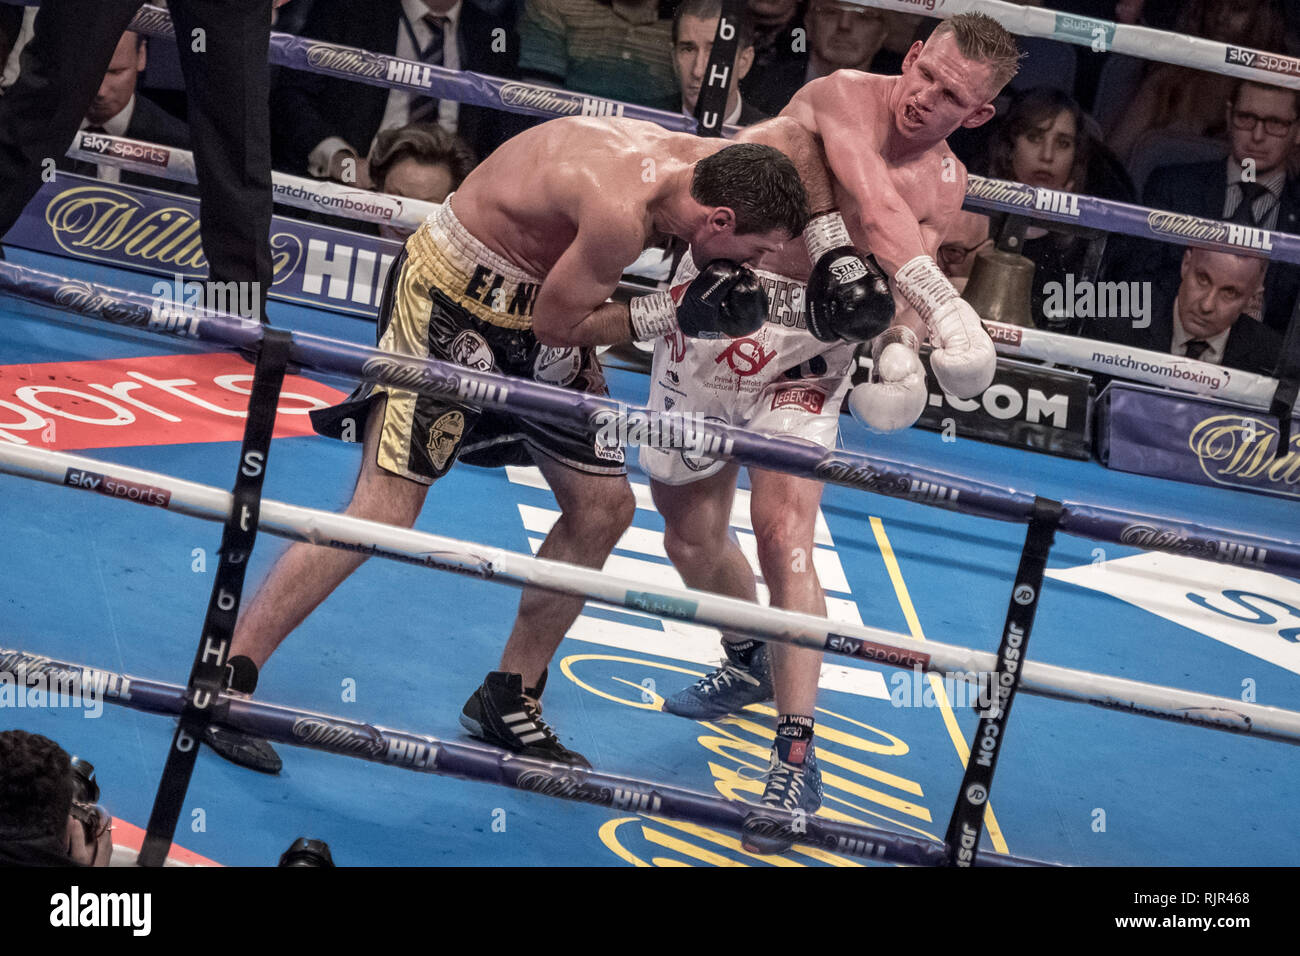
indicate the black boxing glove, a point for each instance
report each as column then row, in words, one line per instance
column 724, row 301
column 848, row 294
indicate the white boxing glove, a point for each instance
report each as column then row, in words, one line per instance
column 896, row 395
column 963, row 359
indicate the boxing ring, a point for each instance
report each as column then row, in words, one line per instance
column 961, row 583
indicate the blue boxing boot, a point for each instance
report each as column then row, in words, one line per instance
column 745, row 677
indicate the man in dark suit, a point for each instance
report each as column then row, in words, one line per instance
column 694, row 26
column 119, row 110
column 224, row 56
column 780, row 54
column 325, row 126
column 1251, row 187
column 1196, row 311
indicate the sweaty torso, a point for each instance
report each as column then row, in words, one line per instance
column 524, row 201
column 921, row 180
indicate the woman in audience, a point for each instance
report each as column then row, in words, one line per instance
column 1045, row 140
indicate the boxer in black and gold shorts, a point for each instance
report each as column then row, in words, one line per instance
column 449, row 297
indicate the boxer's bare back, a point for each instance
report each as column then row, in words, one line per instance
column 577, row 200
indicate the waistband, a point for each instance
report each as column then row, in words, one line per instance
column 444, row 253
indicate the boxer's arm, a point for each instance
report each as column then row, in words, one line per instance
column 572, row 307
column 827, row 109
column 801, row 147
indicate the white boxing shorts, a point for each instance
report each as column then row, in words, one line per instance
column 781, row 380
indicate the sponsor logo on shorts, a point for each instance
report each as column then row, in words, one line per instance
column 676, row 350
column 1260, row 60
column 799, row 396
column 444, row 437
column 117, row 487
column 471, row 350
column 699, row 462
column 557, row 366
column 745, row 357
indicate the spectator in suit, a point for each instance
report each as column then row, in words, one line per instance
column 620, row 51
column 119, row 110
column 326, row 126
column 420, row 161
column 843, row 36
column 1197, row 311
column 1044, row 140
column 1264, row 130
column 1182, row 100
column 780, row 54
column 694, row 26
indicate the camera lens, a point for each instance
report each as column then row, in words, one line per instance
column 305, row 852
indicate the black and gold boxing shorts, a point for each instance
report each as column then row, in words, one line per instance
column 449, row 297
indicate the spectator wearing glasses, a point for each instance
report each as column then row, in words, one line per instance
column 969, row 234
column 1252, row 187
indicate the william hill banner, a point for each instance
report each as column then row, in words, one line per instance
column 136, row 228
column 1027, row 406
column 1153, row 432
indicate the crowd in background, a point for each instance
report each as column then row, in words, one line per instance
column 1096, row 123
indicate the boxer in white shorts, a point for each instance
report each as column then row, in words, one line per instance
column 780, row 380
column 888, row 167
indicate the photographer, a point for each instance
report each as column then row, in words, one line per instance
column 47, row 812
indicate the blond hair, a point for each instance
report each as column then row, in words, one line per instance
column 983, row 39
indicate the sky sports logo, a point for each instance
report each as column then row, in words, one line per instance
column 117, row 487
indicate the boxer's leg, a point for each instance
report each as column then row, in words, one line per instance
column 697, row 524
column 505, row 711
column 595, row 510
column 306, row 574
column 697, row 537
column 783, row 509
column 299, row 581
